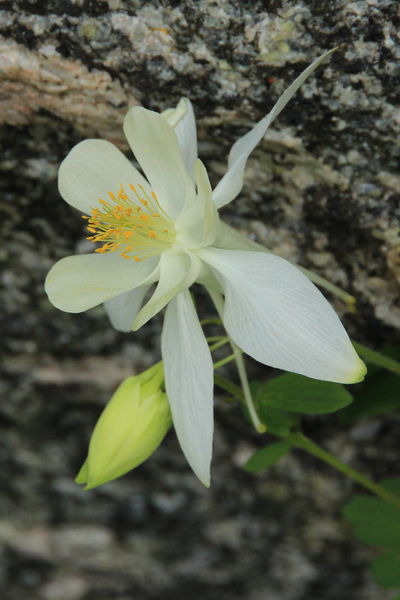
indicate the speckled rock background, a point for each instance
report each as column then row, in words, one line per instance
column 322, row 189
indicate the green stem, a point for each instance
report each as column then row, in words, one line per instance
column 211, row 321
column 229, row 387
column 301, row 441
column 238, row 355
column 219, row 344
column 377, row 358
column 224, row 361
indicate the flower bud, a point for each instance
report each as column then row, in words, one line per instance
column 129, row 430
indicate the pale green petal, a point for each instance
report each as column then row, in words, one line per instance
column 177, row 272
column 122, row 309
column 77, row 283
column 155, row 145
column 188, row 372
column 276, row 315
column 197, row 226
column 183, row 121
column 231, row 183
column 93, row 168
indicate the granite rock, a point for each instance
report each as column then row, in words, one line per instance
column 322, row 189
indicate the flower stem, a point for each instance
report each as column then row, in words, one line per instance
column 229, row 387
column 224, row 361
column 211, row 321
column 260, row 427
column 377, row 358
column 220, row 343
column 299, row 440
column 238, row 355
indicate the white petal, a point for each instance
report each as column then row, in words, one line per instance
column 189, row 383
column 231, row 183
column 277, row 316
column 122, row 309
column 77, row 283
column 183, row 121
column 177, row 271
column 198, row 223
column 155, row 145
column 93, row 168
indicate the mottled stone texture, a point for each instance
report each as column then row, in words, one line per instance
column 322, row 189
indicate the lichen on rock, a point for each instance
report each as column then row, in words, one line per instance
column 322, row 189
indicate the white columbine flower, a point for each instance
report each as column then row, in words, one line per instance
column 164, row 229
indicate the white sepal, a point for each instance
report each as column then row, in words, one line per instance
column 276, row 315
column 77, row 283
column 188, row 370
column 232, row 182
column 183, row 121
column 122, row 309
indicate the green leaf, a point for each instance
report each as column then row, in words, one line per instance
column 385, row 569
column 379, row 394
column 264, row 458
column 278, row 422
column 392, row 485
column 296, row 393
column 374, row 521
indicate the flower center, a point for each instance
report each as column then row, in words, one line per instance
column 133, row 225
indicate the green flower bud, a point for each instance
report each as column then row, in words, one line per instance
column 129, row 429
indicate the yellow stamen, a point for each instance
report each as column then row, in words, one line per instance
column 130, row 218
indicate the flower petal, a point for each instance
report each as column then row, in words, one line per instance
column 198, row 223
column 188, row 372
column 178, row 271
column 77, row 283
column 231, row 183
column 122, row 309
column 183, row 121
column 277, row 316
column 93, row 168
column 155, row 145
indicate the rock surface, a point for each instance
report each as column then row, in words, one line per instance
column 322, row 189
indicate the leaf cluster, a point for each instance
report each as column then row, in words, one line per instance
column 377, row 523
column 280, row 404
column 282, row 401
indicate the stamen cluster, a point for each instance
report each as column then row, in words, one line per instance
column 135, row 225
